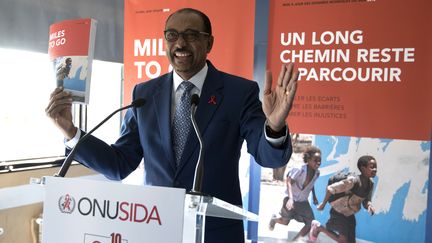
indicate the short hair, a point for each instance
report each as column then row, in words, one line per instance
column 364, row 160
column 203, row 16
column 310, row 152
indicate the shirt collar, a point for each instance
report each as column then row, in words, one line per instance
column 197, row 79
column 304, row 167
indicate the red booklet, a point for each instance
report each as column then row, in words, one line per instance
column 71, row 48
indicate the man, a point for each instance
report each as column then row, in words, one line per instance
column 229, row 113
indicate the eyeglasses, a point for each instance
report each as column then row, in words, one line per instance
column 188, row 35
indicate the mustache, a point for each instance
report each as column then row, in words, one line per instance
column 181, row 50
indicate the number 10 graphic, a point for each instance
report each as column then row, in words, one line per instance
column 112, row 238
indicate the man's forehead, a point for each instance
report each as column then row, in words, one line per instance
column 184, row 20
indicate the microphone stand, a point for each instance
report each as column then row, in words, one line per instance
column 69, row 158
column 199, row 169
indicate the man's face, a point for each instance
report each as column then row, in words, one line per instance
column 187, row 57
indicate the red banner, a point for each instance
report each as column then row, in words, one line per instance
column 144, row 50
column 363, row 65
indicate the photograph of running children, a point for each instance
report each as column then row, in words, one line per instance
column 299, row 183
column 346, row 192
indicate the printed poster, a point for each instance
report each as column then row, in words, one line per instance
column 364, row 66
column 364, row 89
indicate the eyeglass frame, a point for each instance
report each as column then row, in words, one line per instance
column 183, row 34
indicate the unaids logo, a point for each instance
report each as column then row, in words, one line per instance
column 66, row 204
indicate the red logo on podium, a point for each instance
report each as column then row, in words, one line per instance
column 66, row 204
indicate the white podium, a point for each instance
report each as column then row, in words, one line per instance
column 89, row 211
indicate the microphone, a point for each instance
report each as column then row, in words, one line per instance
column 68, row 160
column 199, row 169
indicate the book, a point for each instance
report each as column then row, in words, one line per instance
column 71, row 50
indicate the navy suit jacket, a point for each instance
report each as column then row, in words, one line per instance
column 234, row 116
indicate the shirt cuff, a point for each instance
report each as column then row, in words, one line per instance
column 72, row 142
column 275, row 141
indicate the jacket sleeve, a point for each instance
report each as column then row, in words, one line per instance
column 114, row 161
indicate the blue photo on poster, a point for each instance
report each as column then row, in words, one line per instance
column 401, row 185
column 400, row 189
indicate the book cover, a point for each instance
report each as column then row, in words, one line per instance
column 71, row 49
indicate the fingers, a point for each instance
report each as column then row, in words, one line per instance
column 292, row 86
column 281, row 76
column 293, row 80
column 56, row 91
column 54, row 110
column 58, row 101
column 283, row 95
column 287, row 75
column 268, row 82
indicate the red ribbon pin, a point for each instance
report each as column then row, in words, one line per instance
column 66, row 204
column 212, row 100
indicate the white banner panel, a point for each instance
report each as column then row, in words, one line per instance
column 79, row 210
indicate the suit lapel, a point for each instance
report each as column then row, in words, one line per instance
column 210, row 100
column 162, row 104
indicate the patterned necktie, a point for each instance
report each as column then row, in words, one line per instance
column 182, row 123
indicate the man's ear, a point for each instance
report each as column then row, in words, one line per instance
column 210, row 43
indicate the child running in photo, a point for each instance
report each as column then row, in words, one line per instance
column 345, row 198
column 300, row 182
